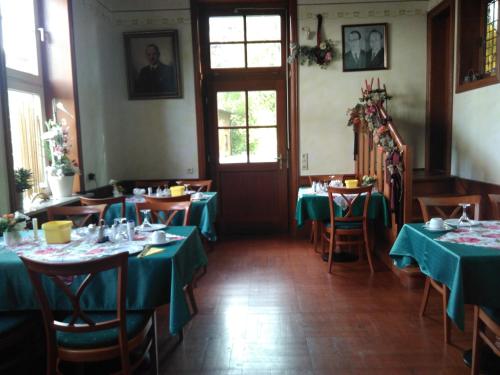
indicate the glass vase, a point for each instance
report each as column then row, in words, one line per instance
column 12, row 238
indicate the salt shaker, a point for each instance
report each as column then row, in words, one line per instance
column 150, row 191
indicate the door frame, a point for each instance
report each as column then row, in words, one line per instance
column 201, row 91
column 436, row 12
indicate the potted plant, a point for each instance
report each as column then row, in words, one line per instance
column 62, row 169
column 10, row 225
column 118, row 189
column 23, row 178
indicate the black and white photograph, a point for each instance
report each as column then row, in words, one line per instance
column 364, row 47
column 153, row 67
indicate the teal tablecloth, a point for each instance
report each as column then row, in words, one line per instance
column 472, row 273
column 152, row 281
column 202, row 214
column 315, row 207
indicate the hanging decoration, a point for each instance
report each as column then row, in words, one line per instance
column 322, row 54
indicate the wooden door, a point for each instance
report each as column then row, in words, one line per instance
column 245, row 79
column 440, row 27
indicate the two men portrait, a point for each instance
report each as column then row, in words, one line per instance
column 364, row 47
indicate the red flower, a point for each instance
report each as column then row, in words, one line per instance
column 468, row 240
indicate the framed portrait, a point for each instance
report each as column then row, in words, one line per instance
column 364, row 47
column 153, row 69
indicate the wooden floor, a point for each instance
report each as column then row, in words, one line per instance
column 268, row 306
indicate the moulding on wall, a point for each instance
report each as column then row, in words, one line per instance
column 306, row 14
column 147, row 20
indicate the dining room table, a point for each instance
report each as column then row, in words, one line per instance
column 203, row 213
column 157, row 275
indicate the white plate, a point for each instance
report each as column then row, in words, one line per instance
column 152, row 228
column 454, row 222
column 445, row 228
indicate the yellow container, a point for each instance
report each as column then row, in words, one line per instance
column 57, row 231
column 177, row 191
column 351, row 183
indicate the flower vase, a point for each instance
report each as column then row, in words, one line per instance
column 61, row 186
column 11, row 238
column 20, row 201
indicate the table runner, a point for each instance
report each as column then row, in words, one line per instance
column 486, row 234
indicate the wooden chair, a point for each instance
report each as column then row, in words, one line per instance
column 198, row 185
column 351, row 224
column 107, row 201
column 495, row 205
column 85, row 336
column 182, row 198
column 79, row 215
column 484, row 318
column 164, row 212
column 445, row 207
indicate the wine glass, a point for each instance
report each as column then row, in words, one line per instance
column 145, row 222
column 464, row 221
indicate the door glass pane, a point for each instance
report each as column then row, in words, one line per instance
column 262, row 55
column 263, row 28
column 263, row 145
column 261, row 108
column 226, row 29
column 26, row 133
column 232, row 146
column 19, row 38
column 231, row 110
column 227, row 55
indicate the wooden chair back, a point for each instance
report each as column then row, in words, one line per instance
column 448, row 207
column 80, row 321
column 486, row 331
column 164, row 212
column 351, row 196
column 79, row 215
column 495, row 205
column 182, row 198
column 107, row 201
column 328, row 177
column 198, row 185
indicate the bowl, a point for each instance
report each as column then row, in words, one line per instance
column 177, row 191
column 351, row 184
column 58, row 231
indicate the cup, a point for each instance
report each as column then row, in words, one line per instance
column 435, row 223
column 158, row 237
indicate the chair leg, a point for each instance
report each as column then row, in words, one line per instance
column 368, row 252
column 331, row 248
column 425, row 299
column 189, row 291
column 476, row 343
column 446, row 318
column 154, row 347
column 311, row 236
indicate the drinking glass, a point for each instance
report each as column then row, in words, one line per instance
column 145, row 222
column 464, row 221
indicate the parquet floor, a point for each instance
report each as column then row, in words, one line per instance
column 268, row 307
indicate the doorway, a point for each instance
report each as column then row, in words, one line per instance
column 440, row 50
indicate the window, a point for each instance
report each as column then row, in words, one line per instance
column 25, row 86
column 247, row 41
column 477, row 44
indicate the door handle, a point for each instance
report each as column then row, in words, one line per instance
column 280, row 159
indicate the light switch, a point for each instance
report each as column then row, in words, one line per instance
column 305, row 161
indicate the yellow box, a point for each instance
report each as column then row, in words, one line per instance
column 57, row 231
column 177, row 191
column 351, row 183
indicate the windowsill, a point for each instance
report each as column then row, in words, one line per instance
column 38, row 207
column 467, row 86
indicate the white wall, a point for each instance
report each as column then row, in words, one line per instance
column 325, row 95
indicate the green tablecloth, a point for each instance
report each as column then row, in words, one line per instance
column 152, row 281
column 202, row 214
column 315, row 207
column 472, row 273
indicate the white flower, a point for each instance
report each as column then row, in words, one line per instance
column 322, row 45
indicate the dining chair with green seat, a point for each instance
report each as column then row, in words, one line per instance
column 84, row 336
column 495, row 205
column 84, row 201
column 484, row 319
column 446, row 208
column 79, row 215
column 352, row 226
column 198, row 185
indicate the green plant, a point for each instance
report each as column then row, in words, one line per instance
column 12, row 222
column 23, row 179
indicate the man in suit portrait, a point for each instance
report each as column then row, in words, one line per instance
column 375, row 55
column 356, row 57
column 155, row 77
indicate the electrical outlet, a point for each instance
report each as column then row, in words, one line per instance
column 305, row 161
column 91, row 176
column 190, row 171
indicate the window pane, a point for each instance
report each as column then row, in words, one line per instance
column 231, row 109
column 227, row 55
column 232, row 146
column 261, row 108
column 19, row 38
column 263, row 145
column 263, row 28
column 226, row 29
column 26, row 134
column 264, row 54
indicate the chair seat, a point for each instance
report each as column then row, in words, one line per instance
column 10, row 321
column 494, row 314
column 346, row 225
column 136, row 321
